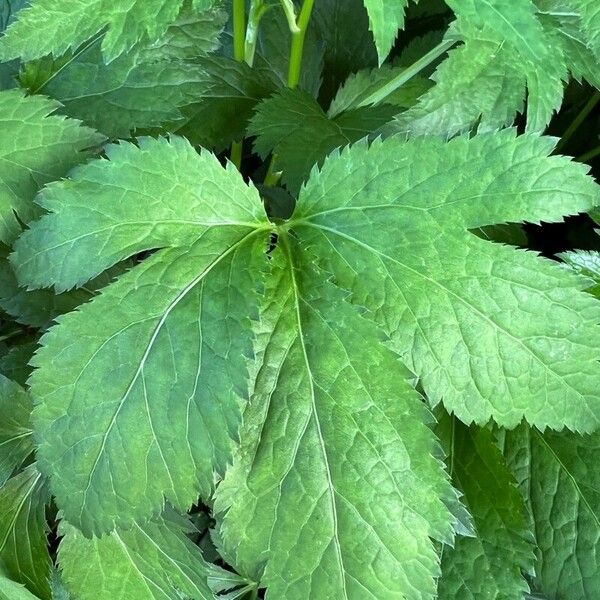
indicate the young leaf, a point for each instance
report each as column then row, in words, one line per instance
column 335, row 491
column 590, row 21
column 294, row 126
column 558, row 475
column 154, row 561
column 391, row 222
column 55, row 26
column 15, row 431
column 491, row 564
column 386, row 17
column 167, row 408
column 23, row 544
column 36, row 147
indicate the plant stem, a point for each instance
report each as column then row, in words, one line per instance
column 297, row 49
column 589, row 155
column 578, row 120
column 239, row 29
column 391, row 86
column 257, row 10
column 239, row 52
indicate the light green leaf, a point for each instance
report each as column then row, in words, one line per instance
column 35, row 148
column 335, row 492
column 143, row 399
column 23, row 544
column 492, row 563
column 506, row 53
column 586, row 263
column 558, row 475
column 391, row 223
column 386, row 17
column 140, row 89
column 154, row 561
column 9, row 70
column 294, row 127
column 15, row 430
column 10, row 590
column 590, row 21
column 55, row 26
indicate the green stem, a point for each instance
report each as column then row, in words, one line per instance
column 239, row 52
column 579, row 119
column 589, row 155
column 391, row 86
column 258, row 8
column 239, row 29
column 297, row 49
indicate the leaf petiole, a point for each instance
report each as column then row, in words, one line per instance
column 391, row 86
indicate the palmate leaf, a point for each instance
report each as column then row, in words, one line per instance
column 492, row 563
column 143, row 88
column 36, row 147
column 140, row 391
column 558, row 475
column 391, row 223
column 15, row 430
column 154, row 561
column 24, row 553
column 55, row 26
column 335, row 491
column 159, row 420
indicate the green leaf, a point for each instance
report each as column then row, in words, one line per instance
column 558, row 475
column 590, row 21
column 492, row 563
column 469, row 317
column 10, row 590
column 506, row 52
column 55, row 26
column 386, row 17
column 334, row 492
column 294, row 127
column 230, row 94
column 36, row 308
column 154, row 561
column 140, row 89
column 586, row 263
column 9, row 70
column 119, row 435
column 23, row 544
column 15, row 431
column 36, row 147
column 15, row 364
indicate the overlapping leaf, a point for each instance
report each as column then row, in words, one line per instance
column 11, row 590
column 294, row 127
column 23, row 545
column 15, row 430
column 36, row 147
column 55, row 26
column 558, row 475
column 139, row 391
column 335, row 492
column 386, row 17
column 143, row 88
column 506, row 50
column 155, row 561
column 391, row 223
column 492, row 564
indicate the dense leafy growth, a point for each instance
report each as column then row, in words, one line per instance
column 272, row 319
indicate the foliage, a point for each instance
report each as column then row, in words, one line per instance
column 272, row 319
